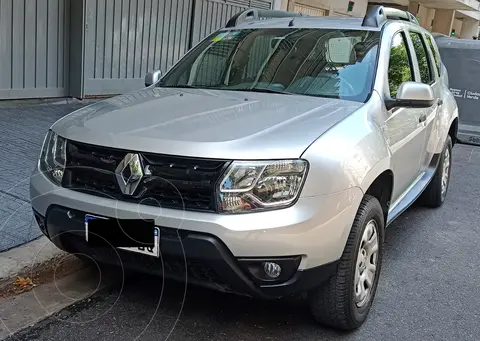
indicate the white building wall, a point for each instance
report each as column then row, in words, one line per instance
column 339, row 8
column 457, row 26
column 469, row 28
column 333, row 7
column 426, row 16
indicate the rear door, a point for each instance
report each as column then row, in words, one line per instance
column 425, row 73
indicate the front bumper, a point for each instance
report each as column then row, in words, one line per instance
column 186, row 256
column 212, row 249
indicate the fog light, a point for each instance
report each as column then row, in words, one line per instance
column 272, row 270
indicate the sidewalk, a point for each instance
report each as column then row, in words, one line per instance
column 23, row 128
column 28, row 258
column 58, row 279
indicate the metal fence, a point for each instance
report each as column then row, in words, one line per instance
column 55, row 48
column 127, row 38
column 33, row 48
column 211, row 15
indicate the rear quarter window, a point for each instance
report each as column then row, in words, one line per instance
column 434, row 50
column 424, row 62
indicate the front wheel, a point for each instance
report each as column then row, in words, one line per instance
column 344, row 301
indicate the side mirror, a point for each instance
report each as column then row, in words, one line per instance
column 412, row 95
column 152, row 77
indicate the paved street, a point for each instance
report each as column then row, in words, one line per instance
column 429, row 290
column 21, row 135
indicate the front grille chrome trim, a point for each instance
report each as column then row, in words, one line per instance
column 167, row 181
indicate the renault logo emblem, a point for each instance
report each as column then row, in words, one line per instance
column 129, row 173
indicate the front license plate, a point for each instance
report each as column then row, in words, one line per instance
column 151, row 250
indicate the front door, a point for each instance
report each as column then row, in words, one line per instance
column 425, row 73
column 405, row 132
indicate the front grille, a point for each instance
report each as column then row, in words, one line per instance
column 169, row 181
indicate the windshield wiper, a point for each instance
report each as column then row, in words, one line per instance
column 182, row 86
column 265, row 90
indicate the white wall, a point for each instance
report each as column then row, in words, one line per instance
column 469, row 28
column 339, row 7
column 470, row 14
column 335, row 7
column 457, row 26
column 426, row 16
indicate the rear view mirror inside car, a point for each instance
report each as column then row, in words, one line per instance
column 340, row 50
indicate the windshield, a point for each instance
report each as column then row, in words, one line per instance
column 313, row 62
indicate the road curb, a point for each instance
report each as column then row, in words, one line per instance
column 26, row 309
column 34, row 257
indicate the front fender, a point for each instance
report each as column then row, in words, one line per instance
column 351, row 154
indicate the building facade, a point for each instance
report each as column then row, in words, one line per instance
column 458, row 18
column 82, row 48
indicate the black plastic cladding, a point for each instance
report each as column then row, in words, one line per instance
column 176, row 182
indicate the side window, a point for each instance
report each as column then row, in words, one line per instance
column 426, row 71
column 399, row 67
column 435, row 53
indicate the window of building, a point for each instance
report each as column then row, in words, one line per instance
column 426, row 72
column 400, row 66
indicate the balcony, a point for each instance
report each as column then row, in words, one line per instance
column 465, row 5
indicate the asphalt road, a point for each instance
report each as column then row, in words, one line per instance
column 429, row 290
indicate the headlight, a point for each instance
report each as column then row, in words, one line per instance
column 53, row 157
column 259, row 185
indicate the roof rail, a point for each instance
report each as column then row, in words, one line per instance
column 377, row 15
column 259, row 14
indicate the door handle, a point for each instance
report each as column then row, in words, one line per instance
column 422, row 118
column 440, row 102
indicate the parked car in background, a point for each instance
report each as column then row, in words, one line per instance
column 460, row 58
column 268, row 161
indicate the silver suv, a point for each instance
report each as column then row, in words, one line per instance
column 268, row 161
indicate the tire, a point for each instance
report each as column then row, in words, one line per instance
column 87, row 261
column 435, row 193
column 334, row 303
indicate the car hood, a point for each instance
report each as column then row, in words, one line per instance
column 206, row 123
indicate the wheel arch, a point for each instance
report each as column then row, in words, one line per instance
column 453, row 130
column 382, row 188
column 379, row 183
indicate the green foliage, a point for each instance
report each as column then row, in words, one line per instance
column 421, row 57
column 399, row 68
